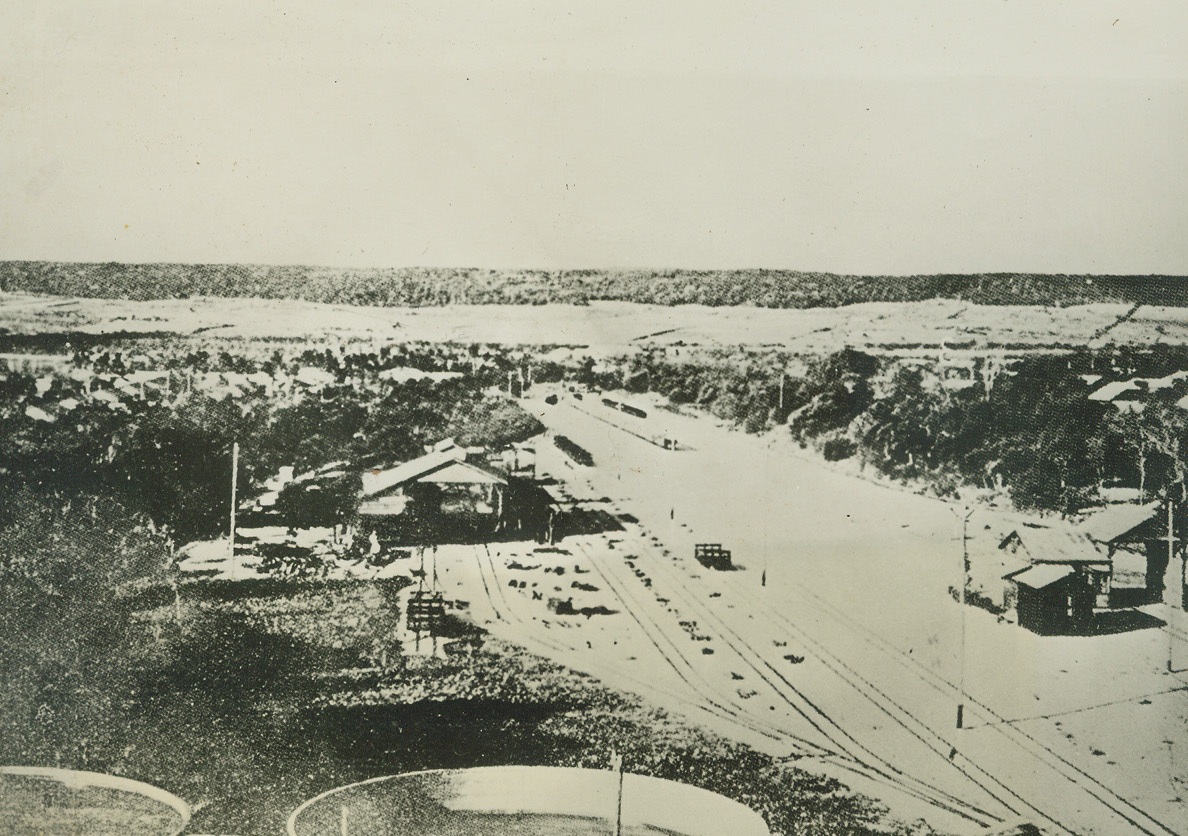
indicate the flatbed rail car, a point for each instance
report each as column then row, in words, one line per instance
column 624, row 407
column 713, row 556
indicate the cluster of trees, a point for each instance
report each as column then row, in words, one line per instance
column 423, row 286
column 68, row 568
column 1033, row 431
column 353, row 361
column 171, row 460
column 754, row 388
column 1028, row 429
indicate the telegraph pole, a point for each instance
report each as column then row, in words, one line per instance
column 234, row 479
column 964, row 583
column 1171, row 607
column 617, row 766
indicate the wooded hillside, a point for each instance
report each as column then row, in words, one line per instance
column 423, row 286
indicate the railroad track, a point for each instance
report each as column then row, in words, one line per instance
column 1142, row 820
column 688, row 672
column 506, row 612
column 867, row 762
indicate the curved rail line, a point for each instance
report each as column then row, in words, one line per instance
column 1002, row 726
column 886, row 773
column 711, row 706
column 784, row 682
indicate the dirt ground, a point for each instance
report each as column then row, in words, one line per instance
column 939, row 322
column 836, row 641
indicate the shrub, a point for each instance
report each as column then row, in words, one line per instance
column 837, row 448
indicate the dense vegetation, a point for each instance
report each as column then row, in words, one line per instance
column 1026, row 427
column 170, row 459
column 419, row 286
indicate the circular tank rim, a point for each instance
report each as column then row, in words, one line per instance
column 756, row 824
column 78, row 778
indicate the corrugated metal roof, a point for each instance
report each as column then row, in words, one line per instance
column 376, row 482
column 1116, row 521
column 1041, row 575
column 442, row 466
column 1056, row 545
column 463, row 473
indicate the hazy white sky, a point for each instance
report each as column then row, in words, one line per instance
column 869, row 137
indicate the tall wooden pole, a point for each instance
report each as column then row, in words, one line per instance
column 617, row 766
column 964, row 583
column 234, row 479
column 1171, row 556
column 1183, row 572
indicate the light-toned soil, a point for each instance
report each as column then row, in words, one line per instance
column 609, row 325
column 1079, row 734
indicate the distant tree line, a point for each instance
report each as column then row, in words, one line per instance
column 424, row 286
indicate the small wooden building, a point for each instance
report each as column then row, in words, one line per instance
column 1053, row 598
column 438, row 495
column 1067, row 578
column 443, row 496
column 1135, row 539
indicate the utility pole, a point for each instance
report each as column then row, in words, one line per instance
column 617, row 766
column 767, row 502
column 1183, row 560
column 234, row 479
column 964, row 583
column 1171, row 607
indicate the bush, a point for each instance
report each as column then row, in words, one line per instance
column 838, row 448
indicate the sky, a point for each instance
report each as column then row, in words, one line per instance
column 842, row 136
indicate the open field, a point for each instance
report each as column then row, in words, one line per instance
column 613, row 325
